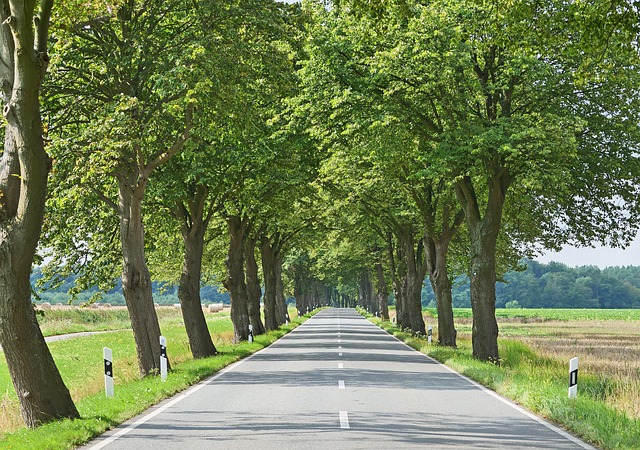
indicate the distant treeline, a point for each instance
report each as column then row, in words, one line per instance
column 163, row 293
column 556, row 285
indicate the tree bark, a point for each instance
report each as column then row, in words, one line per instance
column 483, row 233
column 281, row 301
column 382, row 293
column 254, row 291
column 268, row 270
column 416, row 272
column 234, row 281
column 399, row 280
column 25, row 168
column 193, row 229
column 136, row 280
column 441, row 283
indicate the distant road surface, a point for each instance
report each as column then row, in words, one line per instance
column 336, row 382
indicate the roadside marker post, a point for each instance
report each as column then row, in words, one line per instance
column 163, row 358
column 287, row 318
column 250, row 333
column 429, row 333
column 108, row 372
column 573, row 378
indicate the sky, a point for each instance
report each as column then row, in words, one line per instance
column 598, row 256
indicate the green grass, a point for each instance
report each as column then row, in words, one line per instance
column 64, row 321
column 549, row 314
column 539, row 384
column 80, row 363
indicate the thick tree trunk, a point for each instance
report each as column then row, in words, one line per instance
column 42, row 394
column 234, row 281
column 365, row 292
column 483, row 297
column 415, row 279
column 299, row 296
column 268, row 271
column 136, row 281
column 254, row 291
column 483, row 233
column 24, row 172
column 399, row 274
column 281, row 301
column 441, row 284
column 193, row 232
column 382, row 293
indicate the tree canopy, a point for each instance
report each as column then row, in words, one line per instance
column 353, row 149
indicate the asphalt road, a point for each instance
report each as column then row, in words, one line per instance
column 336, row 382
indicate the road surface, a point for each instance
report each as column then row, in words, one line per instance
column 336, row 382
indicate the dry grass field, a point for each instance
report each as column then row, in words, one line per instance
column 607, row 349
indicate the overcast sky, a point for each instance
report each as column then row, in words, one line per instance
column 599, row 256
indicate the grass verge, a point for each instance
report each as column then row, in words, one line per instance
column 133, row 394
column 539, row 383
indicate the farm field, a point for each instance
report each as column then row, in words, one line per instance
column 607, row 346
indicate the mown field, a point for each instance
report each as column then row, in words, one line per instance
column 536, row 346
column 80, row 362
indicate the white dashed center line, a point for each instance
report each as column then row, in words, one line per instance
column 344, row 420
column 340, row 384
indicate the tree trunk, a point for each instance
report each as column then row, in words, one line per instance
column 281, row 301
column 483, row 233
column 399, row 274
column 42, row 394
column 382, row 293
column 254, row 291
column 193, row 231
column 483, row 297
column 25, row 168
column 414, row 305
column 234, row 281
column 441, row 284
column 136, row 281
column 268, row 270
column 414, row 279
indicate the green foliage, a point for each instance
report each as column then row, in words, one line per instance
column 555, row 285
column 163, row 293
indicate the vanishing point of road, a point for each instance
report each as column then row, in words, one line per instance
column 336, row 382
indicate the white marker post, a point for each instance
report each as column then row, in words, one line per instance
column 163, row 358
column 573, row 378
column 250, row 333
column 108, row 372
column 287, row 319
column 429, row 334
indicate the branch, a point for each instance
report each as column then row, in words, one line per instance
column 175, row 148
column 42, row 28
column 110, row 203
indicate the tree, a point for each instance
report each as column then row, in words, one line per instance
column 113, row 131
column 24, row 174
column 491, row 101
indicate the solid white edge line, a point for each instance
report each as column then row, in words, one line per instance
column 344, row 420
column 180, row 396
column 497, row 396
